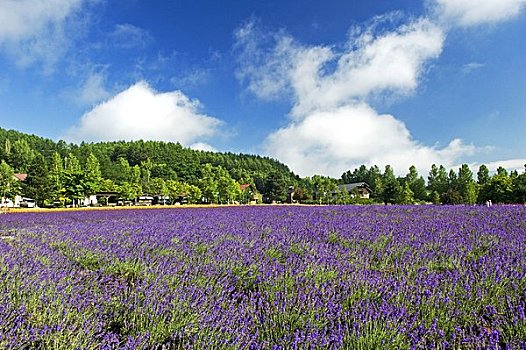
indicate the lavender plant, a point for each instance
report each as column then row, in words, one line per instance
column 373, row 277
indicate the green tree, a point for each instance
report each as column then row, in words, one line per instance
column 123, row 171
column 135, row 175
column 72, row 164
column 37, row 184
column 146, row 172
column 405, row 195
column 452, row 180
column 275, row 187
column 483, row 184
column 92, row 175
column 228, row 189
column 519, row 187
column 500, row 187
column 208, row 184
column 451, row 196
column 437, row 180
column 358, row 175
column 483, row 175
column 502, row 171
column 129, row 191
column 107, row 185
column 374, row 180
column 56, row 177
column 175, row 189
column 323, row 188
column 21, row 156
column 434, row 197
column 466, row 186
column 343, row 197
column 7, row 150
column 192, row 193
column 391, row 187
column 75, row 186
column 158, row 187
column 9, row 185
column 301, row 192
column 417, row 184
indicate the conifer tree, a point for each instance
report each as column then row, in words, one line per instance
column 37, row 184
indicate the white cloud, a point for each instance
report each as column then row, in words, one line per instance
column 264, row 69
column 475, row 12
column 203, row 146
column 32, row 30
column 332, row 141
column 93, row 89
column 143, row 113
column 393, row 61
column 333, row 128
column 323, row 77
column 508, row 164
column 127, row 36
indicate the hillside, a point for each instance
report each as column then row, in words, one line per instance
column 153, row 159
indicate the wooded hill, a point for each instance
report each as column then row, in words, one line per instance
column 141, row 165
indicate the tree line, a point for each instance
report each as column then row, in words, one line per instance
column 459, row 186
column 59, row 173
column 62, row 174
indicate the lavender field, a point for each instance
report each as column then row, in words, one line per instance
column 373, row 277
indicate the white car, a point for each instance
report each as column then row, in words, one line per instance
column 28, row 203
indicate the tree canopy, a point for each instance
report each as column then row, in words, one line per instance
column 59, row 172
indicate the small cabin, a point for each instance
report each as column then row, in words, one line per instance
column 357, row 189
column 250, row 194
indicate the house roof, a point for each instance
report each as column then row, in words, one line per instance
column 350, row 187
column 244, row 186
column 21, row 177
column 107, row 193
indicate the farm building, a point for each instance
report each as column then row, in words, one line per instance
column 250, row 194
column 360, row 189
column 18, row 200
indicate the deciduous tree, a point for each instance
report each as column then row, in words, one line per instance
column 9, row 185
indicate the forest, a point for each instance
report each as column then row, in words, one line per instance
column 59, row 173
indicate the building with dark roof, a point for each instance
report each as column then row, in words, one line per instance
column 360, row 189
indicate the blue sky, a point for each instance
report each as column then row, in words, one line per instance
column 323, row 86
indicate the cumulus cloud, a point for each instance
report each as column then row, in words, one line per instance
column 474, row 12
column 143, row 113
column 34, row 30
column 333, row 128
column 331, row 141
column 323, row 77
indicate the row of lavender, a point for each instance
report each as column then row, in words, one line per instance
column 265, row 278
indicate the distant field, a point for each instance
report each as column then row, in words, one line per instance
column 272, row 277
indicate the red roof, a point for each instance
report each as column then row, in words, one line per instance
column 21, row 177
column 244, row 186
